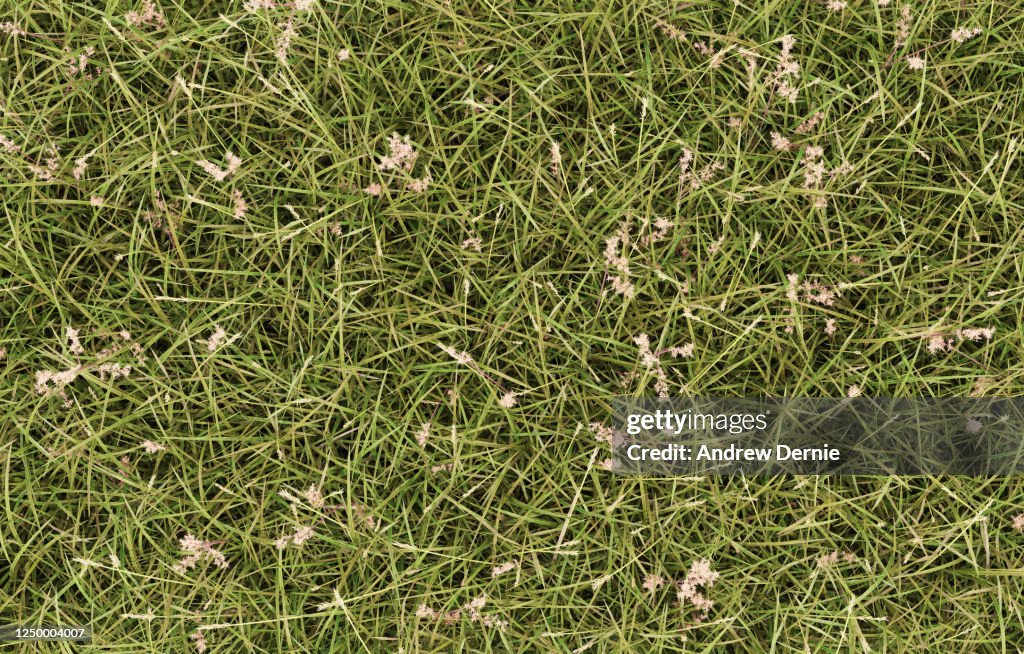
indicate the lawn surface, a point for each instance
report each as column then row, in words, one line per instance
column 312, row 313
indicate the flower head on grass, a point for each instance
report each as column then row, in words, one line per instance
column 1018, row 522
column 48, row 171
column 11, row 29
column 508, row 400
column 148, row 617
column 215, row 339
column 903, row 26
column 652, row 361
column 197, row 550
column 50, row 382
column 336, row 603
column 964, row 34
column 602, row 433
column 9, row 146
column 671, row 31
column 419, row 185
column 750, row 62
column 148, row 14
column 682, row 351
column 284, row 40
column 199, row 636
column 81, row 164
column 915, row 63
column 314, row 496
column 939, row 341
column 463, row 357
column 814, row 171
column 981, row 386
column 787, row 67
column 401, row 154
column 240, row 206
column 707, row 173
column 152, row 448
column 647, row 358
column 113, row 370
column 217, row 172
column 827, row 561
column 653, row 582
column 808, row 125
column 820, row 293
column 74, row 345
column 685, row 160
column 470, row 610
column 780, row 142
column 812, row 291
column 793, row 295
column 976, row 333
column 301, row 535
column 690, row 177
column 814, row 167
column 700, row 576
column 504, row 567
column 423, row 434
column 662, row 226
column 619, row 262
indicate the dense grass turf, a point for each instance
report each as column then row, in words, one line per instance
column 431, row 355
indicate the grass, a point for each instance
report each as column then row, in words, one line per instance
column 336, row 304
